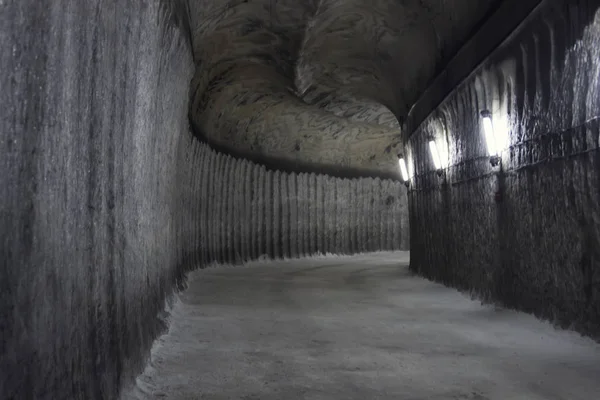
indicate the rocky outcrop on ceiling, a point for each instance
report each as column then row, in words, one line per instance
column 319, row 83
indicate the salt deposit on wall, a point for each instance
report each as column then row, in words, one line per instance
column 527, row 234
column 246, row 211
column 319, row 83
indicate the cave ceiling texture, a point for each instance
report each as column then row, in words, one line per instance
column 319, row 84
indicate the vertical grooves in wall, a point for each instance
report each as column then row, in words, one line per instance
column 360, row 216
column 331, row 210
column 373, row 239
column 207, row 209
column 191, row 237
column 333, row 246
column 307, row 212
column 384, row 215
column 390, row 222
column 368, row 213
column 269, row 207
column 327, row 211
column 356, row 216
column 525, row 235
column 241, row 212
column 243, row 184
column 251, row 207
column 396, row 223
column 225, row 210
column 307, row 219
column 219, row 185
column 187, row 235
column 341, row 203
column 312, row 209
column 244, row 211
column 248, row 210
column 285, row 215
column 213, row 207
column 213, row 198
column 364, row 216
column 238, row 200
column 230, row 200
column 255, row 221
column 223, row 206
column 301, row 218
column 299, row 222
column 204, row 199
column 293, row 217
column 351, row 216
column 276, row 220
column 261, row 178
column 377, row 214
column 319, row 207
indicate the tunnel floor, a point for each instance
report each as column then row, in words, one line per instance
column 358, row 327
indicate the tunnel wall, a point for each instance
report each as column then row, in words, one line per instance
column 106, row 198
column 94, row 106
column 525, row 234
column 246, row 211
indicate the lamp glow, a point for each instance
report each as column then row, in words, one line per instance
column 435, row 155
column 490, row 138
column 403, row 170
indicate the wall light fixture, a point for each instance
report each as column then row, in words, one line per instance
column 403, row 169
column 490, row 137
column 435, row 156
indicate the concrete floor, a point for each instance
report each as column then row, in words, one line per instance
column 356, row 328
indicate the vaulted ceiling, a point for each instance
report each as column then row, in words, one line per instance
column 319, row 83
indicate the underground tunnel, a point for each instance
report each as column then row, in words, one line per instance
column 300, row 199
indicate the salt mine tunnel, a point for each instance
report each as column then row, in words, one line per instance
column 397, row 199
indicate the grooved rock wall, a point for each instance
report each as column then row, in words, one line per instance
column 527, row 235
column 247, row 211
column 94, row 108
column 106, row 199
column 319, row 83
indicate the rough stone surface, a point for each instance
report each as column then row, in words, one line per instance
column 106, row 199
column 527, row 235
column 93, row 117
column 319, row 84
column 359, row 327
column 377, row 214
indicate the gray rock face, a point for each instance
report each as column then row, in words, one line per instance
column 94, row 99
column 106, row 199
column 319, row 83
column 243, row 218
column 528, row 234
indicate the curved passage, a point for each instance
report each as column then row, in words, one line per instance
column 107, row 200
column 527, row 233
column 318, row 83
column 237, row 211
column 359, row 328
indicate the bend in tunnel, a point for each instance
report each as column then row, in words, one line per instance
column 318, row 83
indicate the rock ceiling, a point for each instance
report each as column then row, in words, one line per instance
column 319, row 83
